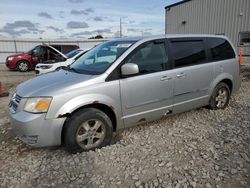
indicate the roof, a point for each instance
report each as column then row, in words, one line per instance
column 178, row 3
column 155, row 37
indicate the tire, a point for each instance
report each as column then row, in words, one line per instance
column 23, row 66
column 220, row 97
column 87, row 129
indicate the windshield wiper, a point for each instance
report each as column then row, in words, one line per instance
column 68, row 68
column 72, row 69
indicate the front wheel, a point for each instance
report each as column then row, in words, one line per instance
column 220, row 97
column 23, row 66
column 87, row 129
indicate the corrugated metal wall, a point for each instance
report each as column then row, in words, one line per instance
column 227, row 17
column 9, row 47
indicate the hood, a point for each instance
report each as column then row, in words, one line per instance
column 58, row 51
column 53, row 83
column 15, row 55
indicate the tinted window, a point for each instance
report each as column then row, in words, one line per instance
column 187, row 53
column 220, row 49
column 150, row 58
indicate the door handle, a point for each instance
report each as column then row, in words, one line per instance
column 181, row 75
column 165, row 78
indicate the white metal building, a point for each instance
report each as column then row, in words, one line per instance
column 222, row 17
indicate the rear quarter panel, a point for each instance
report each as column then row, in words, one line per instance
column 226, row 69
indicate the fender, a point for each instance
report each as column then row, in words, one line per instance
column 87, row 99
column 84, row 100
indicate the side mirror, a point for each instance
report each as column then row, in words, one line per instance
column 129, row 69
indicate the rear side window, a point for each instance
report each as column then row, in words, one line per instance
column 188, row 53
column 220, row 49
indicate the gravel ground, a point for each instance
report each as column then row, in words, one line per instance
column 199, row 148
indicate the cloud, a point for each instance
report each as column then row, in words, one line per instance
column 147, row 33
column 117, row 34
column 77, row 25
column 102, row 31
column 55, row 29
column 98, row 18
column 80, row 33
column 61, row 14
column 76, row 1
column 79, row 12
column 20, row 27
column 44, row 15
column 93, row 32
column 132, row 30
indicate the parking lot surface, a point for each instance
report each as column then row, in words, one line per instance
column 199, row 148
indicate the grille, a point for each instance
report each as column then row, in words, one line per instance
column 17, row 98
column 14, row 103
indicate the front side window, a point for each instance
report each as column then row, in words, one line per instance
column 99, row 59
column 220, row 49
column 150, row 57
column 187, row 53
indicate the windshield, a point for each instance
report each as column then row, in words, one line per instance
column 73, row 53
column 34, row 50
column 100, row 58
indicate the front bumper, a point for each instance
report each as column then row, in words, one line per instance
column 10, row 65
column 36, row 130
column 37, row 72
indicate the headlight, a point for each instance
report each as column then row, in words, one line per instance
column 37, row 105
column 10, row 58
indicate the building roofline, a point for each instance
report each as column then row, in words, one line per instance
column 178, row 3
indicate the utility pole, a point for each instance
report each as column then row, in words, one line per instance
column 120, row 27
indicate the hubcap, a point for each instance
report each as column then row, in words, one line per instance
column 221, row 98
column 90, row 134
column 23, row 66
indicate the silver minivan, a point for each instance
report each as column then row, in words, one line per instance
column 121, row 83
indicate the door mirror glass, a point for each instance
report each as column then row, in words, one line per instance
column 129, row 69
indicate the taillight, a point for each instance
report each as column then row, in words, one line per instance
column 240, row 58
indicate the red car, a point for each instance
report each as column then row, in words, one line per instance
column 41, row 53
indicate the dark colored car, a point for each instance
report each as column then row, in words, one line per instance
column 41, row 53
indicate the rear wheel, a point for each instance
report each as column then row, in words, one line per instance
column 87, row 129
column 220, row 97
column 23, row 66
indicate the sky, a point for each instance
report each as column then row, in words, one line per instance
column 76, row 19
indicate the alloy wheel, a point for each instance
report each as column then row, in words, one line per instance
column 90, row 134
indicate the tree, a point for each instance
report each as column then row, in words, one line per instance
column 97, row 37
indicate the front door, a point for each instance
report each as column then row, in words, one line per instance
column 148, row 95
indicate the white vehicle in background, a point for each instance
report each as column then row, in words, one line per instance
column 49, row 66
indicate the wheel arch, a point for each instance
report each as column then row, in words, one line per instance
column 226, row 78
column 229, row 84
column 108, row 110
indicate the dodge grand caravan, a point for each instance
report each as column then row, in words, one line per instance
column 121, row 83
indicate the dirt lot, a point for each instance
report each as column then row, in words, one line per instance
column 199, row 148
